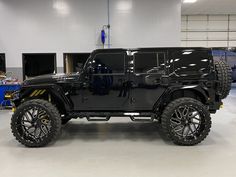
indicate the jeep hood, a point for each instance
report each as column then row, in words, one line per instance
column 50, row 79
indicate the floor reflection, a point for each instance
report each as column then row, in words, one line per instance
column 111, row 131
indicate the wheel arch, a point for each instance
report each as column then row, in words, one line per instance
column 174, row 93
column 189, row 92
column 51, row 93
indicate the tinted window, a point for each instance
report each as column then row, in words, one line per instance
column 108, row 63
column 190, row 63
column 149, row 62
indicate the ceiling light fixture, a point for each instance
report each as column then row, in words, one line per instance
column 125, row 5
column 187, row 53
column 189, row 1
column 61, row 7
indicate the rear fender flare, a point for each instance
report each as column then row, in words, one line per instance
column 166, row 96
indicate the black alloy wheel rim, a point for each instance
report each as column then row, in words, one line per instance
column 34, row 124
column 187, row 122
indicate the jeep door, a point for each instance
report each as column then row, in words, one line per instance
column 146, row 69
column 105, row 78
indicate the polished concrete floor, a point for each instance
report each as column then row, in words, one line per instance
column 121, row 148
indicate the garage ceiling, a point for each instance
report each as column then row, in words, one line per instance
column 210, row 7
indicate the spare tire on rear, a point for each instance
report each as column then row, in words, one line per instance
column 224, row 76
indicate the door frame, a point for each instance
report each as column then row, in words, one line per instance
column 4, row 61
column 23, row 65
column 72, row 53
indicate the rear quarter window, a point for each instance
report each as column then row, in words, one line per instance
column 186, row 63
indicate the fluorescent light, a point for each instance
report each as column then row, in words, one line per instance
column 177, row 59
column 125, row 5
column 204, row 60
column 192, row 64
column 61, row 7
column 131, row 114
column 187, row 53
column 189, row 1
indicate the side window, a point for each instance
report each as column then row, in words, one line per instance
column 190, row 63
column 148, row 63
column 112, row 63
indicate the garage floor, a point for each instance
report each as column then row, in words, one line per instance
column 122, row 148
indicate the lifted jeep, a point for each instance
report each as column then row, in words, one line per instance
column 177, row 87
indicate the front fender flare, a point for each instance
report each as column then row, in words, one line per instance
column 55, row 90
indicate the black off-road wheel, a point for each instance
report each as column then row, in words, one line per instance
column 36, row 123
column 186, row 121
column 224, row 76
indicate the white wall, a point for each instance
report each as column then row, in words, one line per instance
column 145, row 23
column 60, row 26
column 35, row 26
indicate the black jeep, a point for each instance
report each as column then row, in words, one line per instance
column 177, row 87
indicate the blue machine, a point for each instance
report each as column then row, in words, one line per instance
column 103, row 37
column 223, row 53
column 7, row 88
